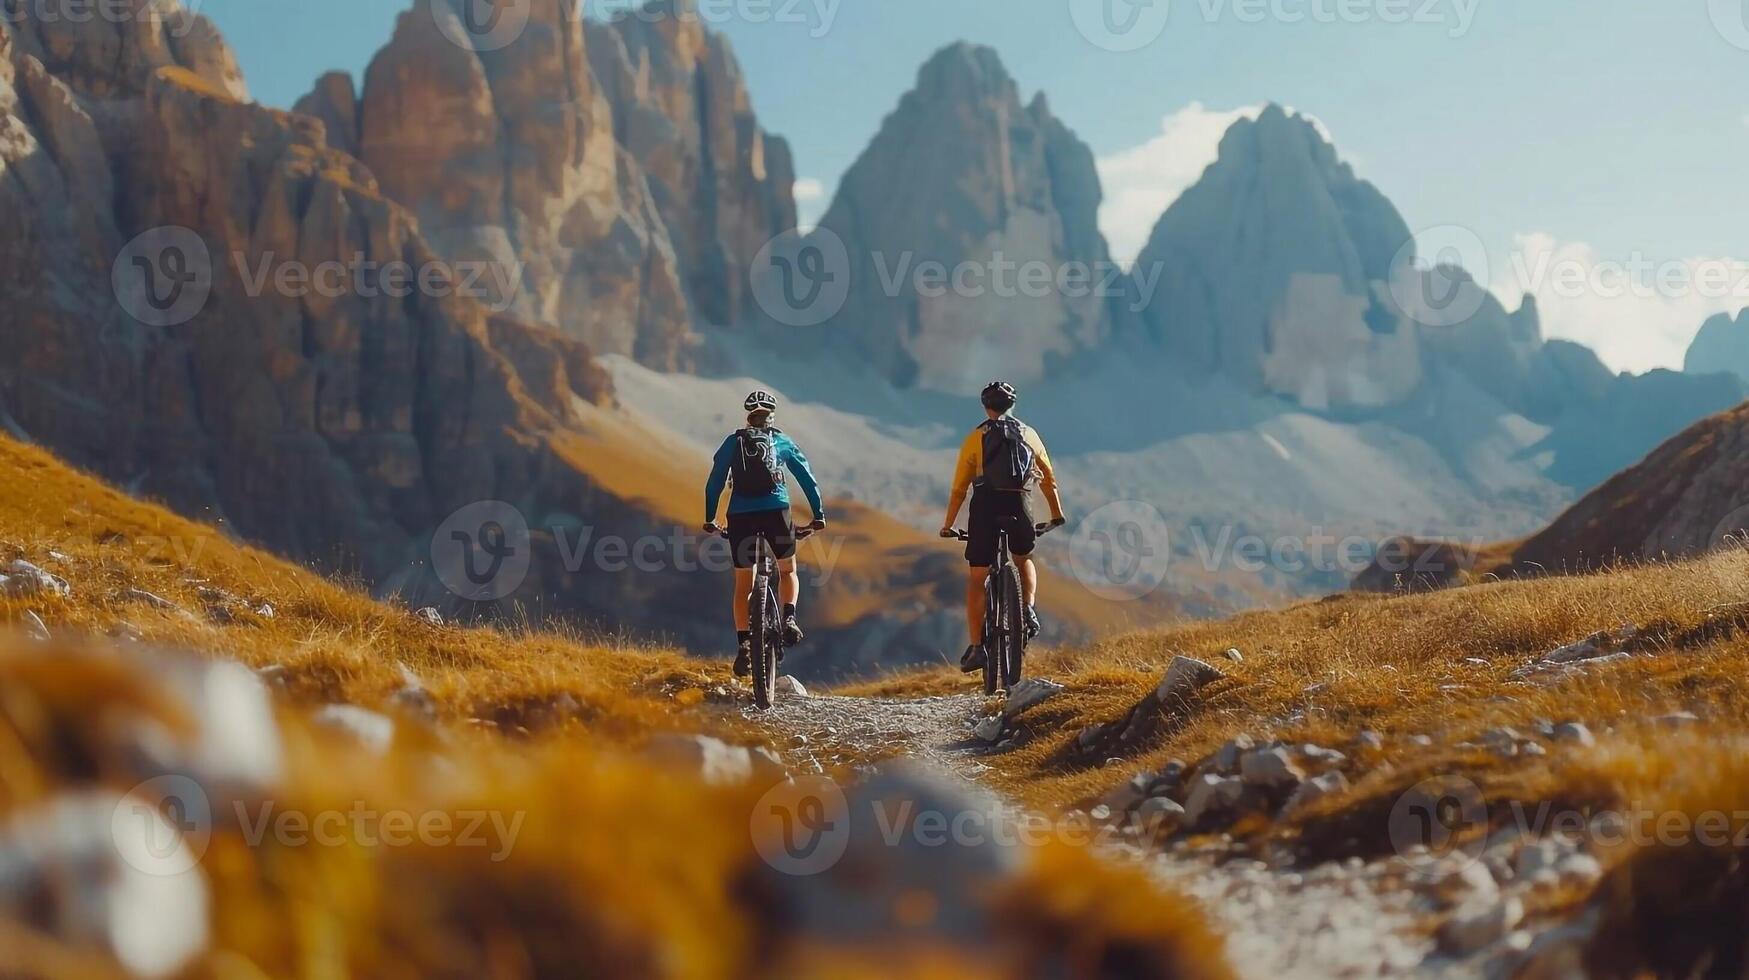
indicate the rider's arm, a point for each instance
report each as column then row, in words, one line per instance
column 804, row 474
column 965, row 470
column 1047, row 483
column 719, row 478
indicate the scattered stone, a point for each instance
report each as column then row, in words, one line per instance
column 1226, row 758
column 1532, row 749
column 1029, row 692
column 430, row 615
column 1184, row 675
column 1559, row 954
column 1471, row 883
column 1472, row 928
column 1211, row 797
column 1676, row 720
column 1575, row 733
column 157, row 602
column 79, row 873
column 265, row 611
column 1421, row 741
column 1100, row 813
column 766, row 759
column 1235, row 656
column 1475, row 661
column 790, row 686
column 1580, row 867
column 988, row 729
column 1370, row 740
column 1159, row 815
column 1315, row 789
column 715, row 761
column 1132, row 792
column 1536, row 856
column 374, row 731
column 1271, row 769
column 22, row 580
column 1319, row 755
column 35, row 628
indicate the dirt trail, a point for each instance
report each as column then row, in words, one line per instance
column 1333, row 921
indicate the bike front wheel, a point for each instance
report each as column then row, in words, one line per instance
column 1011, row 613
column 767, row 632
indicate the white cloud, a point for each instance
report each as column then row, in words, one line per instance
column 1142, row 182
column 809, row 190
column 1637, row 312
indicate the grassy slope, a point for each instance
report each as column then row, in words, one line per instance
column 1436, row 664
column 335, row 642
column 630, row 868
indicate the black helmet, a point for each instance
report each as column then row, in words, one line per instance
column 999, row 396
column 761, row 401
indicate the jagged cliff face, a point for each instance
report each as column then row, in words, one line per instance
column 335, row 425
column 1275, row 270
column 723, row 186
column 1721, row 345
column 615, row 174
column 964, row 179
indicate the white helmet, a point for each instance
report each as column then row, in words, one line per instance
column 761, row 401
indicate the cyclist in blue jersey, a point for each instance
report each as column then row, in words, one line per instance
column 757, row 457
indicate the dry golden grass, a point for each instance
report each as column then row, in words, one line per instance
column 1434, row 664
column 336, row 643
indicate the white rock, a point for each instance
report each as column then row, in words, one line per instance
column 430, row 615
column 1535, row 856
column 1319, row 755
column 1235, row 656
column 1270, row 768
column 789, row 685
column 1472, row 928
column 1576, row 733
column 716, row 762
column 1159, row 814
column 1183, row 676
column 1315, row 789
column 373, row 731
column 1470, row 883
column 988, row 728
column 1676, row 720
column 1370, row 740
column 24, row 580
column 1580, row 867
column 1226, row 758
column 1030, row 691
column 1211, row 795
column 412, row 697
column 266, row 611
column 107, row 871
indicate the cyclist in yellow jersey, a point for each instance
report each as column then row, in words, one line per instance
column 1000, row 462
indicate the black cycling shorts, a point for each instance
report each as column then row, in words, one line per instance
column 990, row 510
column 744, row 529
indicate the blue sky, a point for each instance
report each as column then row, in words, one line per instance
column 1563, row 133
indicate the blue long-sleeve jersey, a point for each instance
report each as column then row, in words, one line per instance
column 789, row 455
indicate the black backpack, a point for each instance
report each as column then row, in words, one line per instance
column 1008, row 457
column 756, row 467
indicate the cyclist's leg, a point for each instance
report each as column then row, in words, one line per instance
column 976, row 587
column 1028, row 578
column 743, row 589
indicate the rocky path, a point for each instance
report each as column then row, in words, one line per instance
column 1350, row 920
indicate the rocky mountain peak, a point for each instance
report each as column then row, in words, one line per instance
column 1721, row 345
column 963, row 180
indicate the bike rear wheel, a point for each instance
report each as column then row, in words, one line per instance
column 1012, row 615
column 992, row 636
column 767, row 638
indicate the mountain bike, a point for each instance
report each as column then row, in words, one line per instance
column 1005, row 636
column 765, row 618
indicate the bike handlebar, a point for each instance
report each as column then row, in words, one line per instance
column 961, row 534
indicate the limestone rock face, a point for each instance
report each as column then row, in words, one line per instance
column 723, row 186
column 1721, row 345
column 508, row 159
column 334, row 425
column 334, row 100
column 1274, row 269
column 963, row 191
